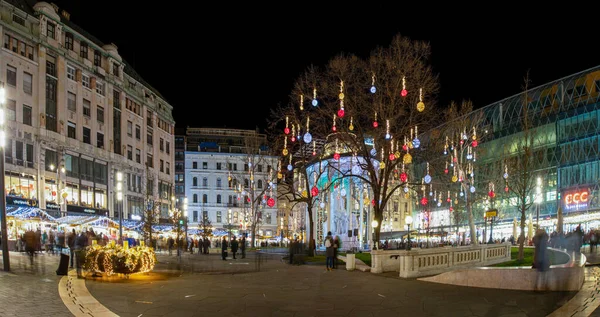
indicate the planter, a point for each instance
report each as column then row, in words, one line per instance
column 350, row 261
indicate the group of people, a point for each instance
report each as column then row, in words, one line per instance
column 331, row 249
column 234, row 245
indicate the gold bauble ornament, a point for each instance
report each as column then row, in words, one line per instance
column 406, row 195
column 285, row 152
column 456, row 201
column 304, row 193
column 397, row 154
column 420, row 106
column 474, row 137
column 407, row 158
column 351, row 127
column 279, row 175
column 341, row 95
column 454, row 178
column 410, row 145
column 382, row 165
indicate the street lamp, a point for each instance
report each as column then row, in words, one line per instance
column 229, row 224
column 59, row 192
column 5, row 256
column 119, row 189
column 408, row 220
column 374, row 225
column 185, row 215
column 538, row 200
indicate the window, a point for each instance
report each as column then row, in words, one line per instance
column 218, row 166
column 129, row 152
column 87, row 108
column 51, row 65
column 29, row 154
column 115, row 69
column 204, row 165
column 50, row 30
column 204, row 182
column 245, row 167
column 149, row 118
column 138, row 156
column 19, row 152
column 18, row 20
column 195, row 165
column 149, row 160
column 195, row 198
column 85, row 81
column 11, row 110
column 117, row 99
column 137, row 132
column 218, row 199
column 71, row 130
column 11, row 75
column 27, row 83
column 205, row 198
column 29, row 52
column 100, row 113
column 71, row 101
column 99, row 87
column 195, row 216
column 149, row 138
column 268, row 220
column 83, row 50
column 97, row 58
column 195, row 181
column 87, row 138
column 168, row 168
column 246, row 183
column 99, row 140
column 219, row 182
column 69, row 41
column 26, row 115
column 162, row 166
column 218, row 216
column 161, row 145
column 130, row 128
column 168, row 147
column 259, row 168
column 260, row 183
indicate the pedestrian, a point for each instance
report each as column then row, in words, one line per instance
column 243, row 246
column 80, row 244
column 224, row 248
column 30, row 244
column 170, row 244
column 336, row 246
column 541, row 259
column 71, row 244
column 329, row 251
column 234, row 247
column 206, row 245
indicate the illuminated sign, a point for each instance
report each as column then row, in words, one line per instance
column 576, row 200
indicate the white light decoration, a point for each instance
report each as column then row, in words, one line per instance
column 290, row 167
column 307, row 137
column 472, row 189
column 373, row 89
column 439, row 203
column 315, row 102
column 427, row 177
column 301, row 102
column 387, row 129
column 343, row 192
column 322, row 205
column 406, row 189
column 416, row 142
column 462, row 194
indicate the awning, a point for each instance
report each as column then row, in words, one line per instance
column 393, row 234
column 23, row 212
column 98, row 221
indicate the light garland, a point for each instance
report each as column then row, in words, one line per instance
column 301, row 102
column 341, row 112
column 420, row 104
column 315, row 102
column 111, row 259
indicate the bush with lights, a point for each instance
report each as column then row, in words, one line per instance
column 111, row 259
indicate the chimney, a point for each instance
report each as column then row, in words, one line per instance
column 66, row 14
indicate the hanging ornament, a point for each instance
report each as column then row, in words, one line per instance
column 293, row 138
column 341, row 112
column 373, row 150
column 315, row 102
column 446, row 169
column 373, row 89
column 271, row 202
column 382, row 163
column 416, row 142
column 491, row 193
column 439, row 203
column 406, row 188
column 336, row 155
column 304, row 194
column 446, row 146
column 420, row 104
column 307, row 137
column 301, row 102
column 451, row 209
column 461, row 194
column 314, row 191
column 427, row 177
column 343, row 192
column 505, row 172
column 387, row 130
column 424, row 201
column 299, row 133
column 404, row 92
column 392, row 157
column 286, row 130
column 403, row 177
column 474, row 143
column 334, row 128
column 375, row 124
column 407, row 158
column 454, row 178
column 469, row 154
column 290, row 167
column 351, row 127
column 314, row 148
column 506, row 189
column 397, row 153
column 285, row 150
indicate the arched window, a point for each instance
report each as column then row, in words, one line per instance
column 246, row 183
column 205, row 198
column 260, row 183
column 195, row 181
column 195, row 198
column 219, row 182
column 218, row 199
column 204, row 182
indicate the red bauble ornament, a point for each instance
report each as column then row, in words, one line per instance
column 403, row 93
column 392, row 156
column 248, row 199
column 403, row 177
column 375, row 124
column 293, row 139
column 506, row 189
column 341, row 113
column 492, row 194
column 424, row 201
column 448, row 199
column 271, row 202
column 461, row 142
column 451, row 209
column 455, row 159
column 286, row 130
column 334, row 129
column 314, row 191
column 474, row 143
column 446, row 171
column 405, row 147
column 314, row 153
column 336, row 156
column 373, row 202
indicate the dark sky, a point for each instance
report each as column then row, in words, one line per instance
column 238, row 61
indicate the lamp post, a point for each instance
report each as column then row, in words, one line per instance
column 119, row 188
column 5, row 255
column 484, row 226
column 229, row 224
column 374, row 225
column 185, row 218
column 538, row 200
column 58, row 191
column 408, row 220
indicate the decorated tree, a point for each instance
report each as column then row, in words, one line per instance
column 176, row 218
column 357, row 118
column 151, row 213
column 205, row 226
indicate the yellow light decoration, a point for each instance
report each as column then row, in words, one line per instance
column 407, row 158
column 279, row 175
column 474, row 134
column 454, row 178
column 112, row 259
column 304, row 193
column 301, row 102
column 382, row 165
column 351, row 127
column 409, row 143
column 285, row 150
column 341, row 95
column 420, row 104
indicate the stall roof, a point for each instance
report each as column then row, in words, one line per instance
column 86, row 220
column 27, row 212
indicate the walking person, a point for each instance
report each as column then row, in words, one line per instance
column 170, row 244
column 234, row 247
column 71, row 244
column 243, row 246
column 80, row 243
column 329, row 251
column 30, row 244
column 224, row 248
column 336, row 246
column 206, row 245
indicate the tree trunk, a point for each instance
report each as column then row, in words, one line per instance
column 311, row 238
column 253, row 229
column 522, row 236
column 472, row 224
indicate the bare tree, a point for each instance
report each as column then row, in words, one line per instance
column 206, row 226
column 371, row 109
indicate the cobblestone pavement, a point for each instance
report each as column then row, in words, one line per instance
column 31, row 290
column 279, row 289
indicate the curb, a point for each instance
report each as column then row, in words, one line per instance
column 77, row 298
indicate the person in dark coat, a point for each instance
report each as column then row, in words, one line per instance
column 336, row 245
column 80, row 243
column 243, row 246
column 71, row 244
column 224, row 248
column 206, row 245
column 541, row 258
column 329, row 251
column 234, row 247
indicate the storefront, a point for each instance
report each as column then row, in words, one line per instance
column 86, row 210
column 20, row 185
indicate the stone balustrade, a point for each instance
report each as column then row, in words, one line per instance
column 423, row 262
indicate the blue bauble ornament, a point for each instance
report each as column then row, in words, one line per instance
column 307, row 137
column 416, row 143
column 373, row 89
column 315, row 102
column 427, row 179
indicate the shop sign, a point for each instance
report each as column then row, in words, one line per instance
column 12, row 200
column 491, row 213
column 576, row 199
column 86, row 210
column 52, row 206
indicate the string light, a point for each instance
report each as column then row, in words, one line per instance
column 351, row 127
column 314, row 148
column 420, row 104
column 416, row 142
column 285, row 150
column 293, row 138
column 404, row 92
column 301, row 102
column 307, row 137
column 315, row 102
column 334, row 128
column 341, row 112
column 336, row 155
column 427, row 177
column 373, row 89
column 387, row 129
column 287, row 129
column 375, row 123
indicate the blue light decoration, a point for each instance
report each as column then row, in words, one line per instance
column 445, row 152
column 427, row 179
column 290, row 167
column 472, row 189
column 439, row 204
column 469, row 156
column 416, row 143
column 373, row 89
column 406, row 189
column 387, row 136
column 315, row 102
column 505, row 175
column 373, row 152
column 461, row 193
column 431, row 194
column 307, row 138
column 355, row 169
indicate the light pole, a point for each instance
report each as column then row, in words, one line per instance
column 119, row 188
column 374, row 225
column 408, row 220
column 538, row 200
column 229, row 224
column 185, row 218
column 58, row 191
column 5, row 255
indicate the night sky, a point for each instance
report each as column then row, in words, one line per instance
column 239, row 61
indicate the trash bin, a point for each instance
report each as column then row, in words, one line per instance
column 63, row 265
column 350, row 261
